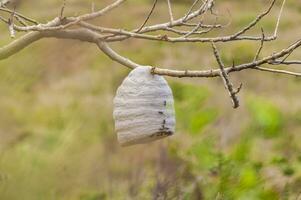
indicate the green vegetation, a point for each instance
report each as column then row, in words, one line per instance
column 57, row 132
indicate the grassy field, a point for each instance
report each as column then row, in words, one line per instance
column 57, row 132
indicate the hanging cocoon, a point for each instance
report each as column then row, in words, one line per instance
column 143, row 108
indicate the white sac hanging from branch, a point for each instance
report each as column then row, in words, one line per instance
column 143, row 108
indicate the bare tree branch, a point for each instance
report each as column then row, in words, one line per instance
column 62, row 10
column 186, row 29
column 170, row 11
column 261, row 45
column 19, row 15
column 255, row 21
column 148, row 16
column 278, row 71
column 225, row 78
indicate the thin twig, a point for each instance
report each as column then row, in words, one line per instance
column 11, row 25
column 90, row 16
column 21, row 21
column 291, row 62
column 190, row 10
column 19, row 15
column 279, row 18
column 278, row 71
column 148, row 16
column 255, row 21
column 286, row 57
column 63, row 9
column 195, row 29
column 225, row 78
column 261, row 46
column 170, row 11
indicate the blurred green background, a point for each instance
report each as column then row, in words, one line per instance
column 57, row 132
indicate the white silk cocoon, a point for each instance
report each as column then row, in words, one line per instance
column 143, row 108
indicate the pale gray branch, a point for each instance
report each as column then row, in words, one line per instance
column 180, row 30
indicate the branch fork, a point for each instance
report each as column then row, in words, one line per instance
column 225, row 77
column 174, row 30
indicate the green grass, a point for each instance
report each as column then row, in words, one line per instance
column 57, row 132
